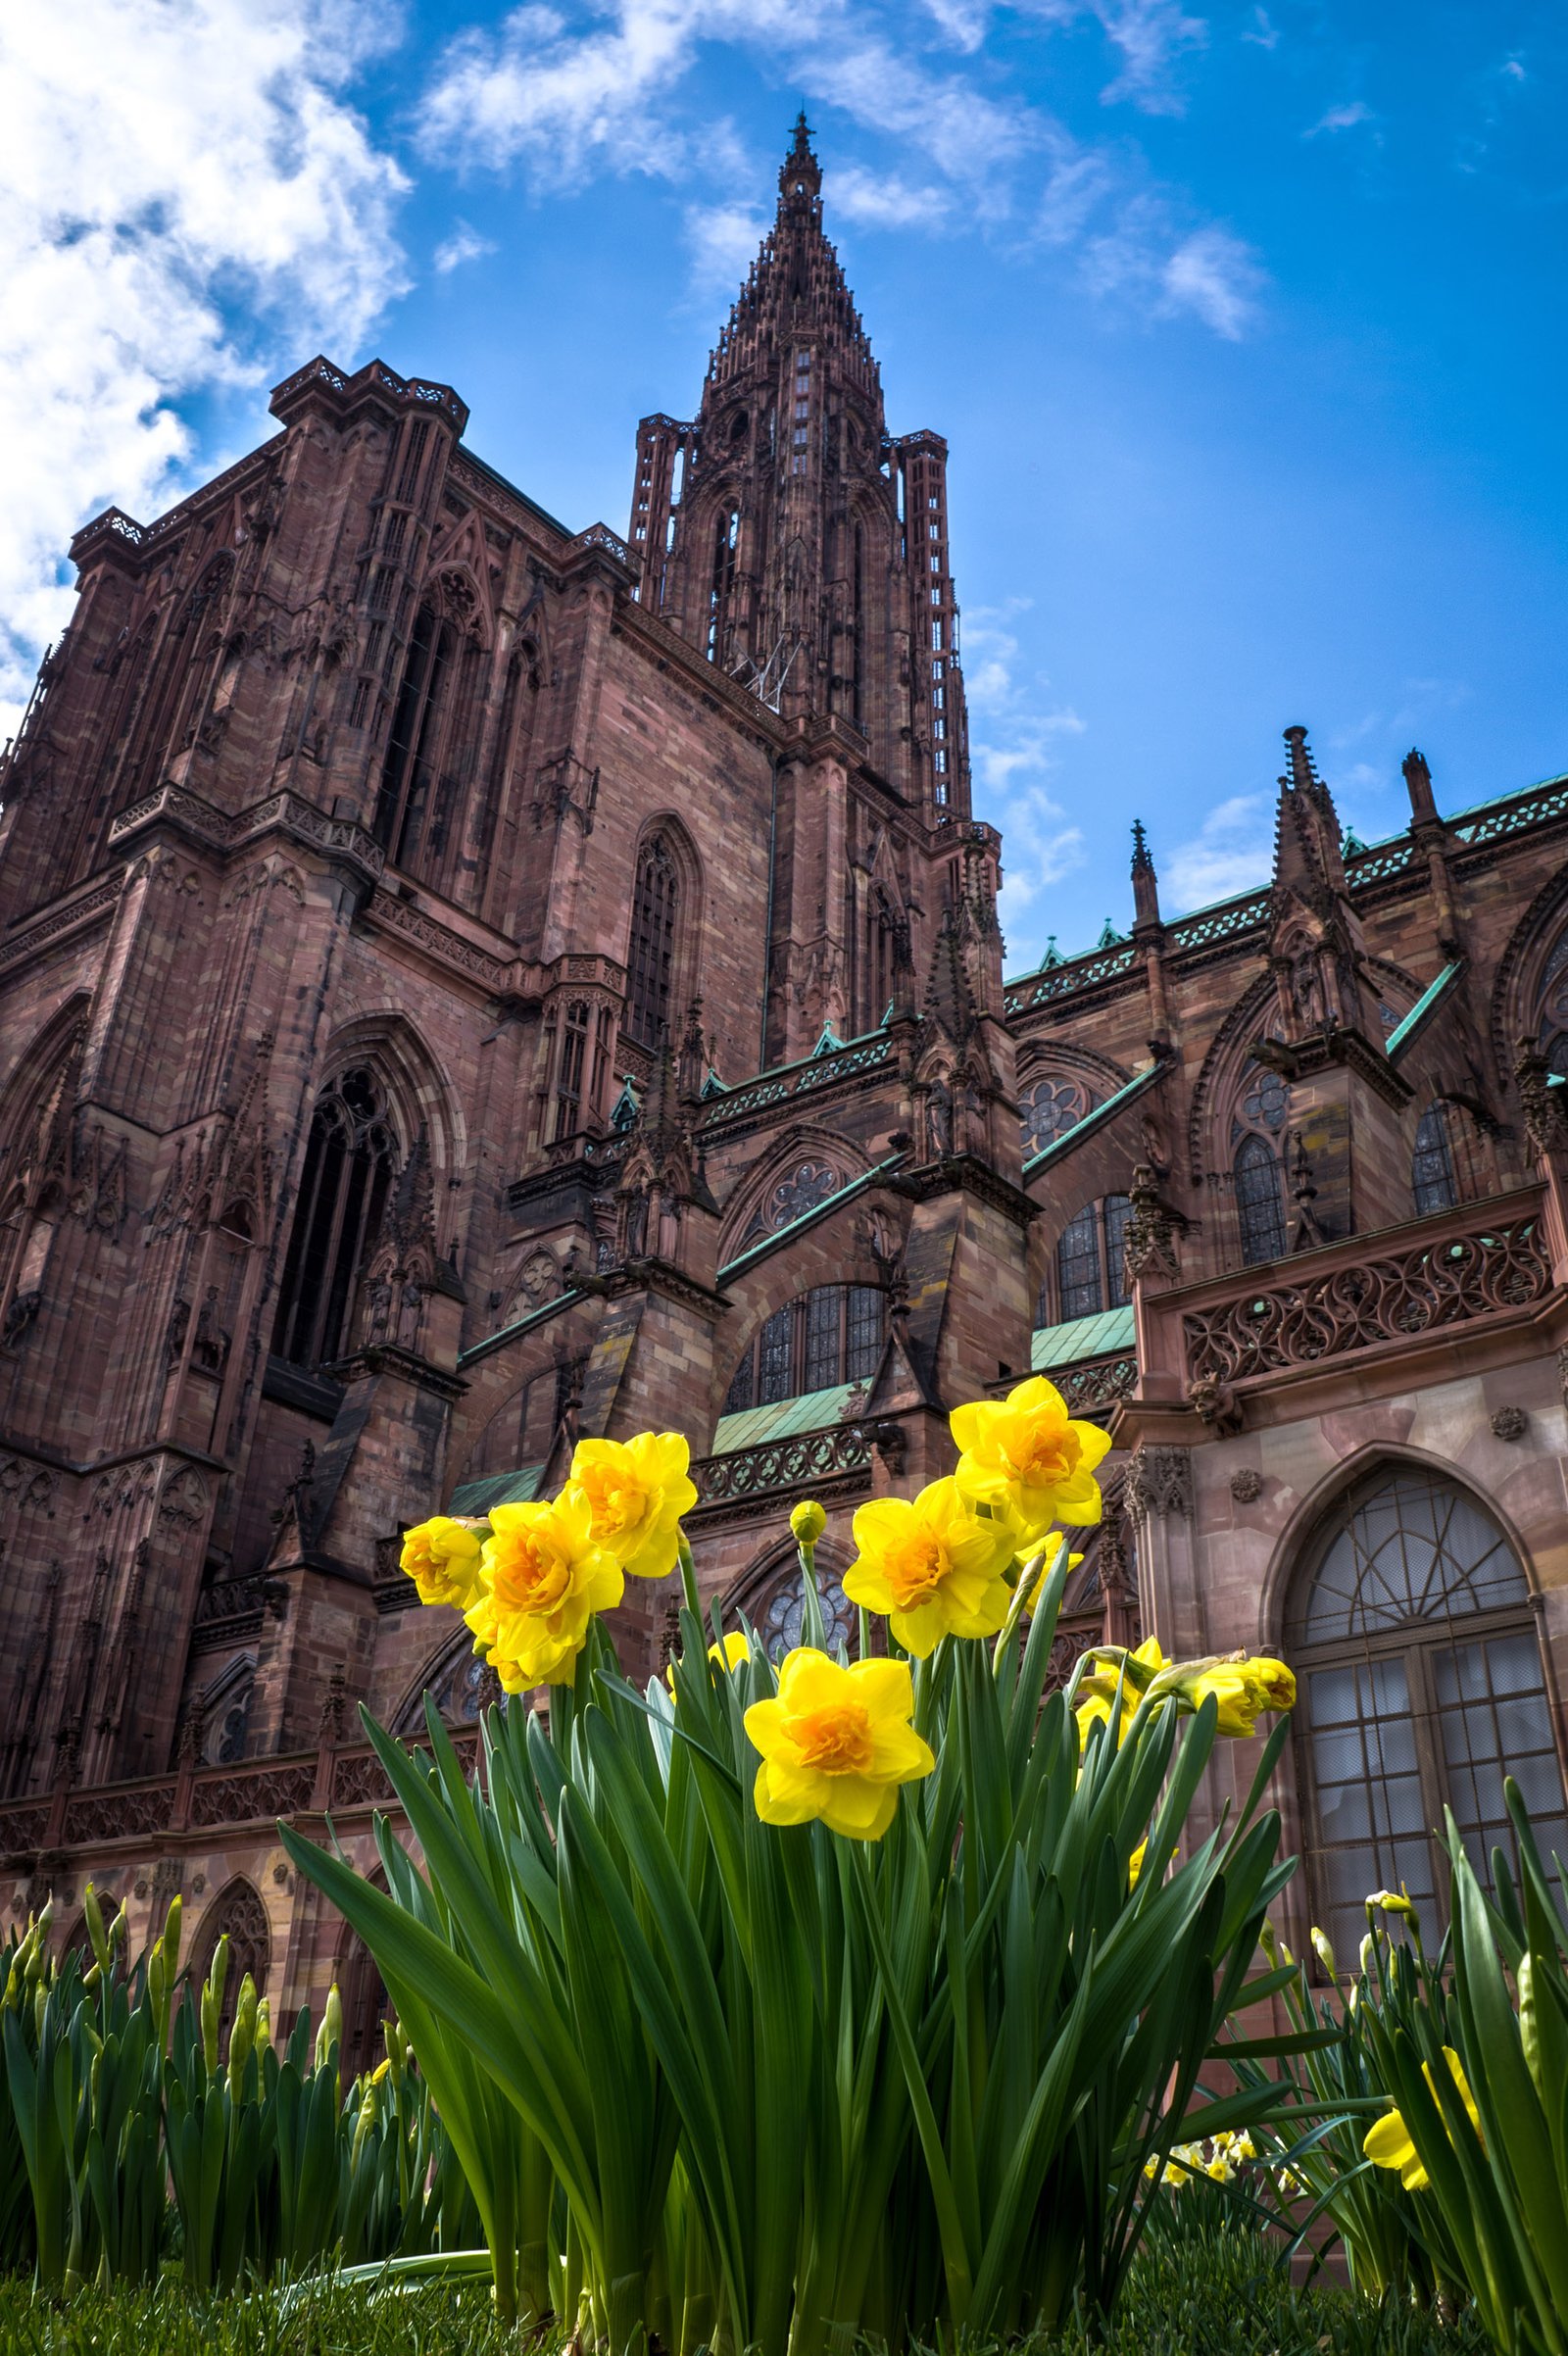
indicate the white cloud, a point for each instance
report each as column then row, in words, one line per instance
column 1151, row 38
column 172, row 170
column 463, row 245
column 1231, row 852
column 1348, row 118
column 1262, row 32
column 1216, row 277
column 723, row 240
column 882, row 201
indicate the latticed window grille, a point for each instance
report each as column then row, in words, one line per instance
column 1259, row 1205
column 569, row 1082
column 350, row 1161
column 654, row 910
column 1421, row 1685
column 1432, row 1179
column 831, row 1334
column 780, row 1622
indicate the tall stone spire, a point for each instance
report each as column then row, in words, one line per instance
column 786, row 533
column 1145, row 883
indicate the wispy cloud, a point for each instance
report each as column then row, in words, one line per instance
column 1217, row 279
column 1015, row 735
column 1231, row 852
column 1150, row 40
column 723, row 241
column 1353, row 115
column 463, row 245
column 886, row 202
column 186, row 200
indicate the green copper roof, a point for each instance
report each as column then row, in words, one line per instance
column 1081, row 1337
column 782, row 1419
column 499, row 1489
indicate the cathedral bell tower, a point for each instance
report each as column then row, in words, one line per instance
column 787, row 535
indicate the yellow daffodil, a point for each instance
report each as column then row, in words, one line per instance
column 1134, row 1671
column 1243, row 1690
column 732, row 1655
column 836, row 1743
column 637, row 1489
column 544, row 1576
column 1026, row 1456
column 1390, row 2143
column 932, row 1565
column 808, row 1521
column 442, row 1558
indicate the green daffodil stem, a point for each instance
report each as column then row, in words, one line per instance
column 1028, row 1581
column 688, row 1574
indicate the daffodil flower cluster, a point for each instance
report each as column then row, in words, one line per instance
column 1217, row 2160
column 529, row 1578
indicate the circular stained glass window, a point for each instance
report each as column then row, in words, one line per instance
column 1048, row 1109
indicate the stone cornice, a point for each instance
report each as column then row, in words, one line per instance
column 966, row 1174
column 175, row 807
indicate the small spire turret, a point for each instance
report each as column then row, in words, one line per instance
column 1145, row 883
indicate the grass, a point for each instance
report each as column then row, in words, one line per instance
column 1201, row 2295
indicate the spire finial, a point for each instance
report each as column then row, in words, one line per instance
column 799, row 175
column 1146, row 888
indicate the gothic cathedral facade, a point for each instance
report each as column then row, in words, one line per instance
column 467, row 983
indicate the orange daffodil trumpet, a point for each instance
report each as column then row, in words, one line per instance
column 1024, row 1458
column 932, row 1565
column 836, row 1743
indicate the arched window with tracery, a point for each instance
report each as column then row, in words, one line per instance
column 650, row 974
column 1259, row 1201
column 831, row 1334
column 350, row 1162
column 1420, row 1686
column 1089, row 1267
column 1432, row 1178
column 773, row 1599
column 1048, row 1108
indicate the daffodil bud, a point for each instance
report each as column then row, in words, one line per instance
column 1268, row 1941
column 1530, row 2021
column 93, row 1914
column 1369, row 1948
column 1325, row 1953
column 808, row 1521
column 242, row 2037
column 331, row 2033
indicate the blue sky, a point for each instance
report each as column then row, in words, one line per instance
column 1246, row 327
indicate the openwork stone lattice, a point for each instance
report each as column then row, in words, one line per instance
column 1386, row 1300
column 1093, row 1388
column 781, row 1463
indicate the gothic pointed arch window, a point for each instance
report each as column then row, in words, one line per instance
column 654, row 914
column 1420, row 1686
column 726, row 539
column 832, row 1334
column 350, row 1161
column 1260, row 1202
column 1553, row 1009
column 1432, row 1175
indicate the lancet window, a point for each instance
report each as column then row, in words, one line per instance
column 1089, row 1271
column 652, row 963
column 403, row 807
column 1431, row 1176
column 350, row 1162
column 1420, row 1685
column 1259, row 1201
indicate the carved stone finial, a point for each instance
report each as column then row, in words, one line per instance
column 1247, row 1485
column 1510, row 1423
column 1149, row 1243
column 1546, row 1118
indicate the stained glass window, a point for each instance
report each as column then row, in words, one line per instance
column 1432, row 1180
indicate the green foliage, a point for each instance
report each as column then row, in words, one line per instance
column 126, row 2134
column 1223, row 2294
column 732, row 2085
column 1499, row 2182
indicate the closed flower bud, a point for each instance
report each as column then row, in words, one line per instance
column 1325, row 1953
column 808, row 1521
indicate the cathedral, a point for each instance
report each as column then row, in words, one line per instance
column 468, row 983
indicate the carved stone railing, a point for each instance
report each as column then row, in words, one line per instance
column 1467, row 1267
column 772, row 1465
column 1072, row 974
column 600, row 535
column 159, row 1808
column 792, row 1081
column 1092, row 1389
column 1535, row 808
